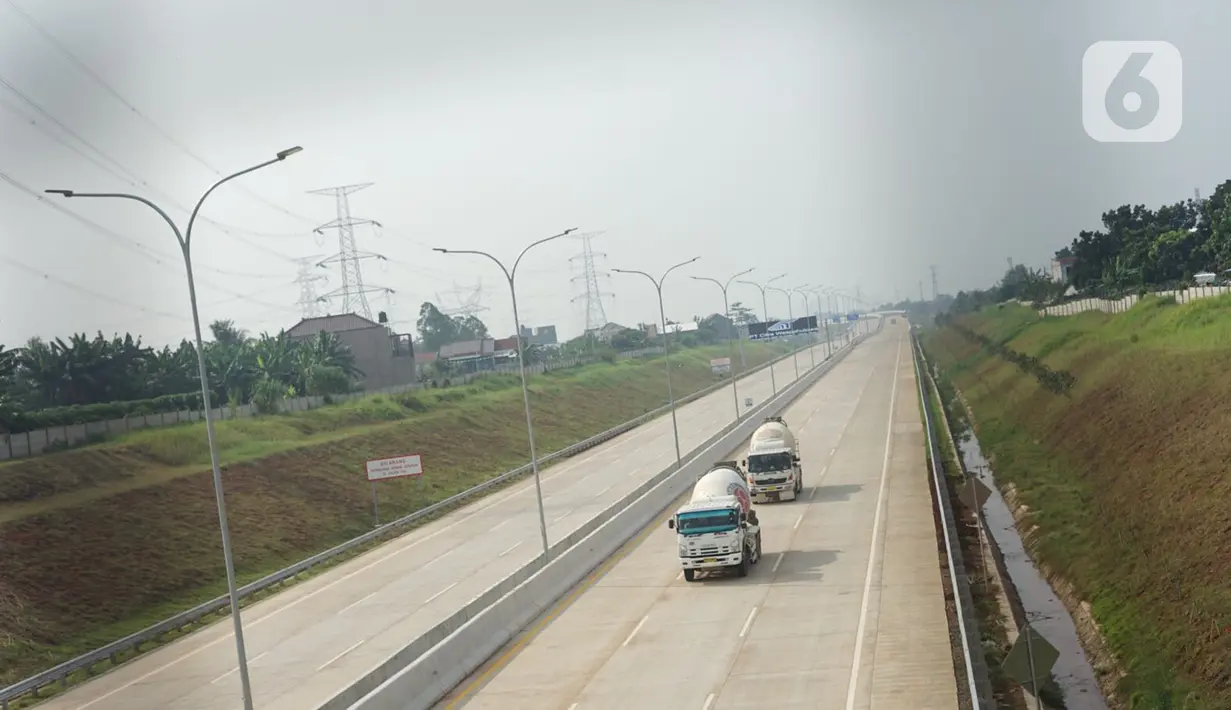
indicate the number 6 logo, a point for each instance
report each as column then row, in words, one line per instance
column 1132, row 92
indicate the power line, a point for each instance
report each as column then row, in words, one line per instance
column 596, row 315
column 89, row 292
column 467, row 305
column 47, row 35
column 354, row 293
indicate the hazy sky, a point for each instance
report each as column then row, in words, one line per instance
column 849, row 144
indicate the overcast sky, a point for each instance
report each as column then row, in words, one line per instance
column 847, row 144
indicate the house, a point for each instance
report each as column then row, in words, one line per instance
column 607, row 332
column 1061, row 269
column 384, row 357
column 477, row 355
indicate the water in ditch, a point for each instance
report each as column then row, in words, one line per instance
column 1072, row 672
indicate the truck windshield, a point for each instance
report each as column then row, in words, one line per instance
column 764, row 463
column 707, row 521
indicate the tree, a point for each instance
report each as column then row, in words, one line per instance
column 742, row 314
column 469, row 328
column 435, row 328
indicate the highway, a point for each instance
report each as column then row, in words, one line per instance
column 315, row 639
column 845, row 609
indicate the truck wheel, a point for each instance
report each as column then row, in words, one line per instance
column 690, row 575
column 742, row 571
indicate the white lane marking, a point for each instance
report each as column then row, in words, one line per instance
column 798, row 520
column 436, row 596
column 812, row 493
column 876, row 524
column 326, row 664
column 350, row 606
column 600, row 493
column 777, row 562
column 831, row 451
column 573, row 706
column 562, row 517
column 748, row 623
column 635, row 630
column 679, row 576
column 709, row 700
column 514, row 547
column 487, row 504
column 236, row 668
column 500, row 525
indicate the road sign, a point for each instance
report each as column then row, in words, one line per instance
column 719, row 365
column 1030, row 650
column 974, row 494
column 407, row 465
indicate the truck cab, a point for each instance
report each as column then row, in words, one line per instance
column 718, row 529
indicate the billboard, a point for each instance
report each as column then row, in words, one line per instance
column 720, row 365
column 778, row 329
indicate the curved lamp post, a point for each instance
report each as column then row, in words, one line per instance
column 510, row 275
column 820, row 314
column 801, row 290
column 726, row 308
column 185, row 241
column 773, row 381
column 658, row 286
column 790, row 313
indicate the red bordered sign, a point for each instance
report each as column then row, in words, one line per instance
column 404, row 466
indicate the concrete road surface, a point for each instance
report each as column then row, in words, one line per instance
column 845, row 609
column 315, row 639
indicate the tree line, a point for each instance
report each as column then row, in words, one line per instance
column 53, row 382
column 1138, row 249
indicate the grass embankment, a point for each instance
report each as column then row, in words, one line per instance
column 1125, row 476
column 103, row 541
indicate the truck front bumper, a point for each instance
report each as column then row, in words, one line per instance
column 714, row 562
column 769, row 494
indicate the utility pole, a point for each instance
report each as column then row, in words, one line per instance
column 921, row 299
column 935, row 287
column 354, row 294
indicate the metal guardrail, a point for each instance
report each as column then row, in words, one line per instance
column 975, row 662
column 133, row 642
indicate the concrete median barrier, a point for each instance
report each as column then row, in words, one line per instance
column 430, row 666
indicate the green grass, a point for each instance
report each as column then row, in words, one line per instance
column 1125, row 477
column 134, row 538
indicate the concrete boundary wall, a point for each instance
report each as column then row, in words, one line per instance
column 433, row 664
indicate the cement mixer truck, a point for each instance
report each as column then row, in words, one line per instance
column 773, row 466
column 717, row 528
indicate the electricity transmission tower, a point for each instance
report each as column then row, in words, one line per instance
column 468, row 304
column 596, row 316
column 309, row 301
column 354, row 294
column 935, row 287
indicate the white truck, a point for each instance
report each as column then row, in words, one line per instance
column 717, row 528
column 773, row 466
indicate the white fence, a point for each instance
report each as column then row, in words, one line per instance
column 1108, row 305
column 43, row 441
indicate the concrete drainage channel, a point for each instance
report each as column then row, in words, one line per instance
column 430, row 666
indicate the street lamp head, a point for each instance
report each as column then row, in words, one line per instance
column 441, row 250
column 622, row 271
column 65, row 193
column 284, row 154
column 570, row 230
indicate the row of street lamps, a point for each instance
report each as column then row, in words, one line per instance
column 184, row 239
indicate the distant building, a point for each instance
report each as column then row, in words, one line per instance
column 544, row 335
column 607, row 332
column 384, row 357
column 1061, row 269
column 478, row 355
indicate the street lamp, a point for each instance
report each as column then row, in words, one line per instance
column 820, row 313
column 658, row 286
column 509, row 276
column 773, row 381
column 185, row 242
column 790, row 313
column 803, row 295
column 726, row 307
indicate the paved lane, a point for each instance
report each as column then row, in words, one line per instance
column 313, row 640
column 845, row 610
